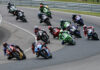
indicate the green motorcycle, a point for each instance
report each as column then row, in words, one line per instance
column 66, row 38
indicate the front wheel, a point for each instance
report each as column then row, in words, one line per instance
column 95, row 36
column 73, row 42
column 24, row 19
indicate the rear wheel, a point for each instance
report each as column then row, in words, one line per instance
column 47, row 21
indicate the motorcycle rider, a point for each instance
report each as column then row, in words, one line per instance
column 61, row 35
column 42, row 6
column 5, row 47
column 36, row 47
column 53, row 29
column 20, row 14
column 77, row 19
column 9, row 5
column 86, row 29
column 37, row 29
column 64, row 24
column 41, row 16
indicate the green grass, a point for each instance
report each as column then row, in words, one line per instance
column 71, row 11
column 80, row 1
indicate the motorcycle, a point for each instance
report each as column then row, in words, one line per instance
column 22, row 18
column 74, row 31
column 79, row 22
column 17, row 53
column 44, row 52
column 55, row 32
column 43, row 36
column 44, row 19
column 13, row 10
column 68, row 39
column 92, row 35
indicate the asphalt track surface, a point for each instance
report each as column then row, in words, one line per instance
column 82, row 50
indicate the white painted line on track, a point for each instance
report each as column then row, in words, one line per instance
column 23, row 30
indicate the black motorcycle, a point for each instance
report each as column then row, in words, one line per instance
column 76, row 33
column 44, row 18
column 92, row 35
column 43, row 36
column 22, row 18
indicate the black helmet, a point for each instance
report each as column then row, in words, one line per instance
column 73, row 16
column 5, row 44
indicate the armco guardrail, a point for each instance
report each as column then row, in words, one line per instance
column 61, row 5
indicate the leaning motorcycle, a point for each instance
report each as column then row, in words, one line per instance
column 45, row 19
column 76, row 33
column 22, row 18
column 43, row 36
column 44, row 52
column 55, row 32
column 68, row 39
column 92, row 35
column 13, row 10
column 13, row 52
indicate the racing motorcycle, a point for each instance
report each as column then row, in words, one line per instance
column 22, row 18
column 14, row 52
column 55, row 32
column 44, row 52
column 74, row 31
column 13, row 10
column 44, row 19
column 79, row 22
column 43, row 36
column 67, row 39
column 92, row 35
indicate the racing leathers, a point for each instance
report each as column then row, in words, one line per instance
column 37, row 33
column 65, row 24
column 86, row 29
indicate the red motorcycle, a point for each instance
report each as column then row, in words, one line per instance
column 55, row 32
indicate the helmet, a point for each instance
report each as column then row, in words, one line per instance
column 36, row 28
column 61, row 31
column 84, row 27
column 41, row 5
column 5, row 44
column 73, row 16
